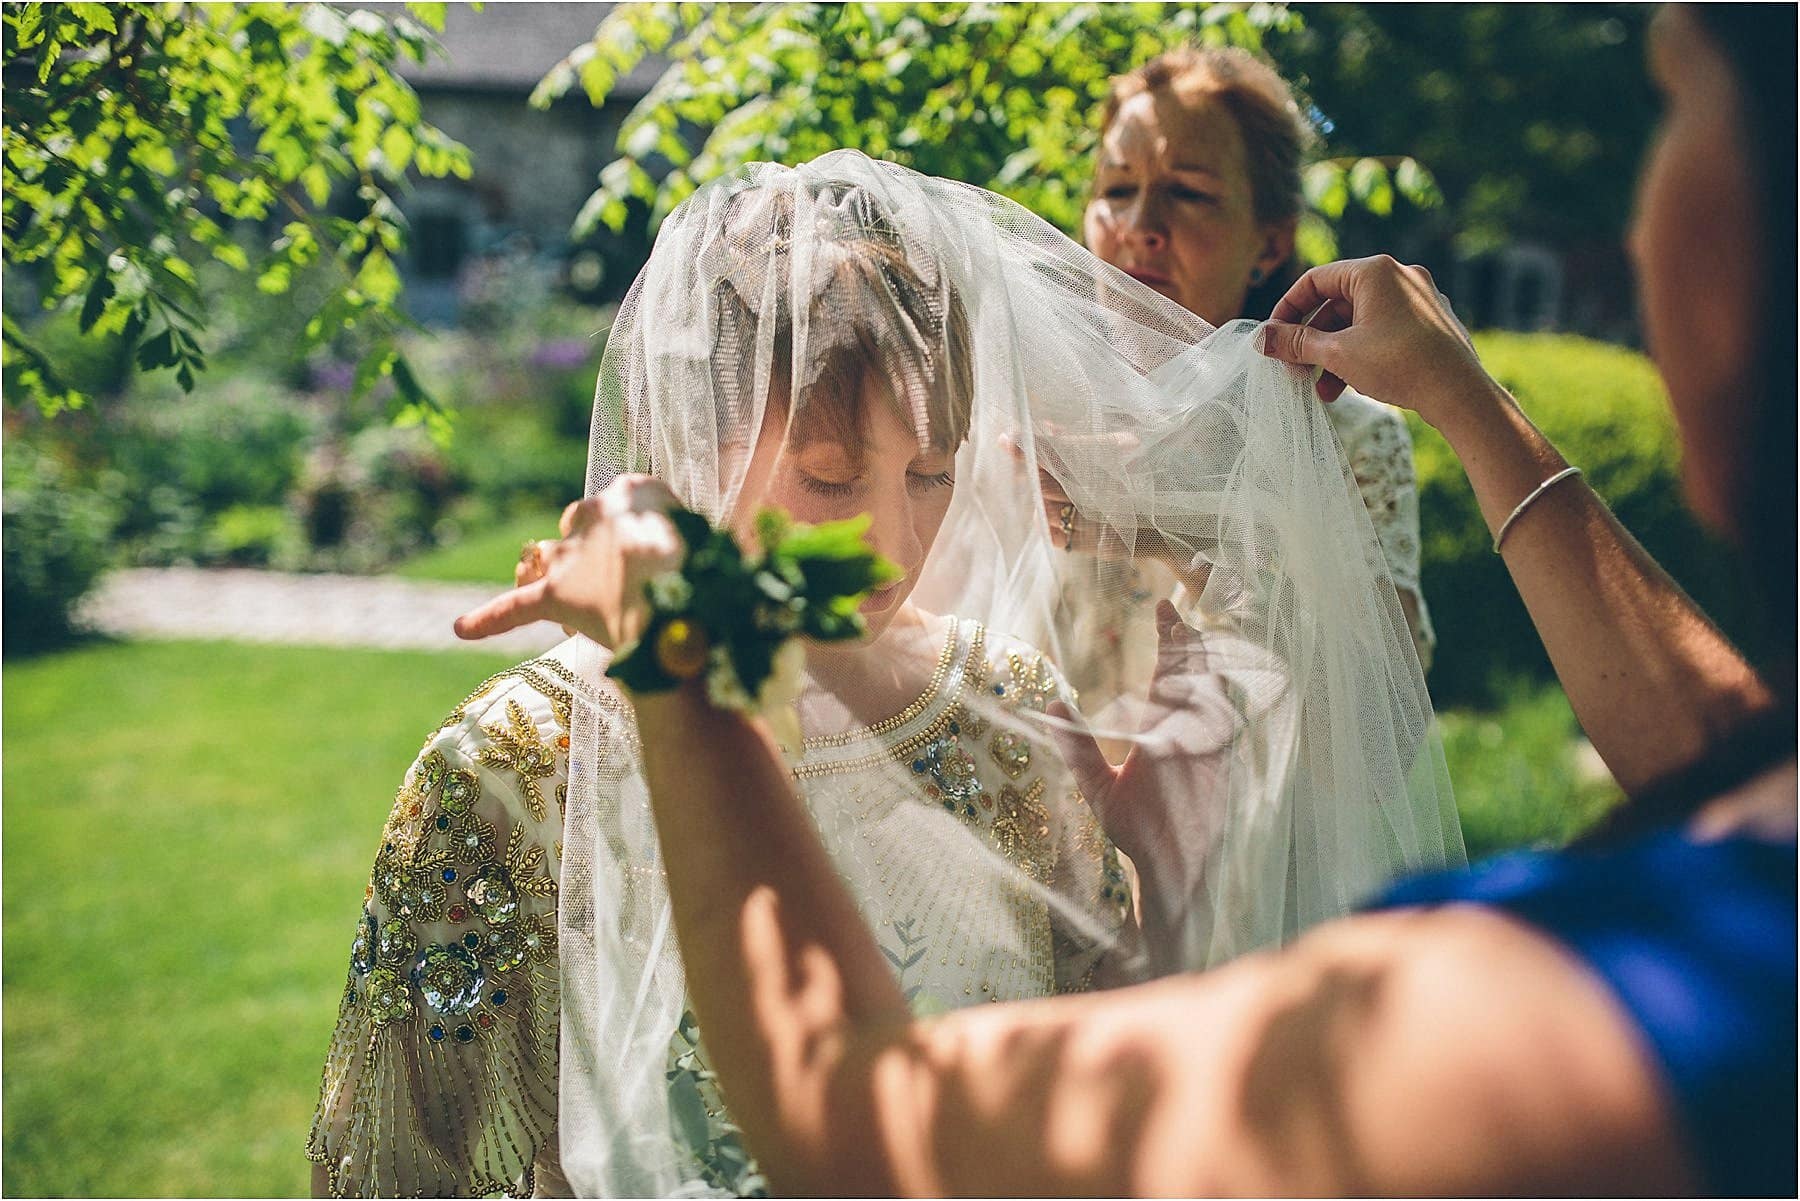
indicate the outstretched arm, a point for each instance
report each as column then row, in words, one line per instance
column 1651, row 679
column 1450, row 1051
column 1443, row 1052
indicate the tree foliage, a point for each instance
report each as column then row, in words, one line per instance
column 1533, row 117
column 142, row 139
column 1001, row 95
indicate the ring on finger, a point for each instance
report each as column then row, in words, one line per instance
column 530, row 552
column 1065, row 517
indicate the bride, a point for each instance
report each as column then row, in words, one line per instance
column 850, row 338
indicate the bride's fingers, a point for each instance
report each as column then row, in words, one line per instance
column 533, row 561
column 508, row 611
column 583, row 513
column 1067, row 531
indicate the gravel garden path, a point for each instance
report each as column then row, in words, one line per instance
column 243, row 605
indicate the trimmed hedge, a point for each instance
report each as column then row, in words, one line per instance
column 1604, row 407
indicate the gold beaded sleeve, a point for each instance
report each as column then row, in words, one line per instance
column 441, row 1078
column 1044, row 824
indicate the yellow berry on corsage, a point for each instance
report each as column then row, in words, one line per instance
column 681, row 648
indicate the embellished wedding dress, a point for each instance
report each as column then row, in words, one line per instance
column 442, row 1074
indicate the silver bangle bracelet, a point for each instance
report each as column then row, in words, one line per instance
column 1536, row 492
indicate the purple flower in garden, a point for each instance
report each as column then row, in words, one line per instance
column 561, row 354
column 333, row 375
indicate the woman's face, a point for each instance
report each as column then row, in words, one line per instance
column 1173, row 205
column 906, row 490
column 1693, row 242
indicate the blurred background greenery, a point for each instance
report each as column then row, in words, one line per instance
column 190, row 824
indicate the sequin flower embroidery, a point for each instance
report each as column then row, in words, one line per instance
column 950, row 772
column 449, row 978
column 389, row 1000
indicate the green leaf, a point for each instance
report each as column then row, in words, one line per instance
column 597, row 79
column 96, row 17
column 407, row 384
column 158, row 351
column 232, row 255
column 1314, row 241
column 1417, row 184
column 99, row 292
column 1369, row 184
column 1326, row 189
column 430, row 15
column 275, row 278
column 689, row 1110
column 396, row 147
column 377, row 279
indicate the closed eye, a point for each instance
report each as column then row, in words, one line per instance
column 925, row 483
column 819, row 487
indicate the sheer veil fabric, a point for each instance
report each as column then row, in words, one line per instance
column 1291, row 740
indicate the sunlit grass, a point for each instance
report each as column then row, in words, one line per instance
column 188, row 829
column 1522, row 775
column 485, row 556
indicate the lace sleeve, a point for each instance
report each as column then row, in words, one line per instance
column 1380, row 452
column 441, row 1079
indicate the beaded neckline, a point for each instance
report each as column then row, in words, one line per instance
column 887, row 725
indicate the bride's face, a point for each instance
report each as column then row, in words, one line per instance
column 905, row 489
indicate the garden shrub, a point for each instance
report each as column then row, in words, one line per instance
column 273, row 461
column 254, row 536
column 239, row 440
column 53, row 546
column 1604, row 408
column 514, row 459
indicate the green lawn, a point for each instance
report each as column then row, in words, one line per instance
column 1518, row 778
column 483, row 557
column 188, row 828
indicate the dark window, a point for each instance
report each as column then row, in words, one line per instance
column 439, row 241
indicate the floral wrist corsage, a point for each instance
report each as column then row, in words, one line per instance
column 738, row 617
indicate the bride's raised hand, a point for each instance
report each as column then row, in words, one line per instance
column 1156, row 805
column 1073, row 531
column 592, row 579
column 1382, row 328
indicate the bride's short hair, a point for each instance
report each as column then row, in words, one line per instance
column 873, row 309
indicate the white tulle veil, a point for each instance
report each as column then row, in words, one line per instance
column 1302, row 747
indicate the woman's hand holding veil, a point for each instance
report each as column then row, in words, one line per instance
column 593, row 578
column 1156, row 806
column 1382, row 328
